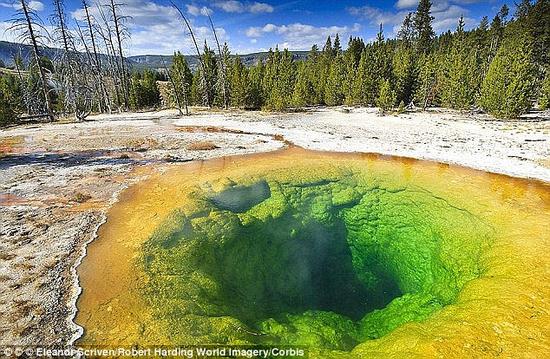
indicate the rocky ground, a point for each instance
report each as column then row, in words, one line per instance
column 58, row 180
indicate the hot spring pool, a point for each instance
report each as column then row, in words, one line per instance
column 345, row 254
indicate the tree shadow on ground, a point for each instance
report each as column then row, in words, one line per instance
column 65, row 160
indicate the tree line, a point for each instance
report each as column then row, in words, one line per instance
column 501, row 67
column 87, row 74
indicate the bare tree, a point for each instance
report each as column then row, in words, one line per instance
column 113, row 65
column 176, row 92
column 64, row 66
column 180, row 80
column 71, row 68
column 94, row 58
column 205, row 96
column 121, row 32
column 222, row 69
column 18, row 62
column 91, row 34
column 28, row 23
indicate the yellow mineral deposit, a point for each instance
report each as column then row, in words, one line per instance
column 350, row 255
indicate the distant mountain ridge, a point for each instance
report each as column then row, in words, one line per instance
column 9, row 49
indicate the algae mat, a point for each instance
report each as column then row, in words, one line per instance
column 348, row 255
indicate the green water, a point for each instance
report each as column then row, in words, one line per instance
column 326, row 264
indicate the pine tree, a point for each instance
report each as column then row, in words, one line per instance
column 238, row 83
column 315, row 70
column 496, row 31
column 182, row 80
column 380, row 56
column 222, row 83
column 323, row 70
column 406, row 33
column 197, row 94
column 404, row 73
column 523, row 9
column 459, row 83
column 255, row 97
column 423, row 26
column 12, row 88
column 386, row 97
column 284, row 83
column 151, row 94
column 538, row 26
column 428, row 81
column 362, row 92
column 336, row 47
column 208, row 80
column 507, row 90
column 350, row 75
column 303, row 90
column 483, row 24
column 135, row 95
column 270, row 77
column 334, row 94
column 544, row 99
column 503, row 13
column 7, row 113
column 10, row 99
column 355, row 48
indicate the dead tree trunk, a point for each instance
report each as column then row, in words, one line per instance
column 206, row 99
column 36, row 55
column 223, row 66
column 173, row 83
column 65, row 68
column 113, row 64
column 104, row 100
column 118, row 33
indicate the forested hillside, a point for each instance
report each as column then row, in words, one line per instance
column 502, row 67
column 9, row 51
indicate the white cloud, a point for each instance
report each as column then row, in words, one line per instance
column 193, row 10
column 406, row 4
column 445, row 15
column 6, row 34
column 159, row 29
column 299, row 36
column 196, row 11
column 377, row 16
column 35, row 5
column 11, row 35
column 164, row 39
column 206, row 11
column 254, row 32
column 230, row 6
column 258, row 7
column 438, row 5
column 234, row 6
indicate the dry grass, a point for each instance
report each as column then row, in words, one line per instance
column 202, row 146
column 81, row 197
column 10, row 144
column 23, row 307
column 6, row 256
column 142, row 144
column 25, row 265
column 210, row 129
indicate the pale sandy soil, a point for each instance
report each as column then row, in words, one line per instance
column 58, row 180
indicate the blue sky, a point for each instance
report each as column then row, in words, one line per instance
column 257, row 25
